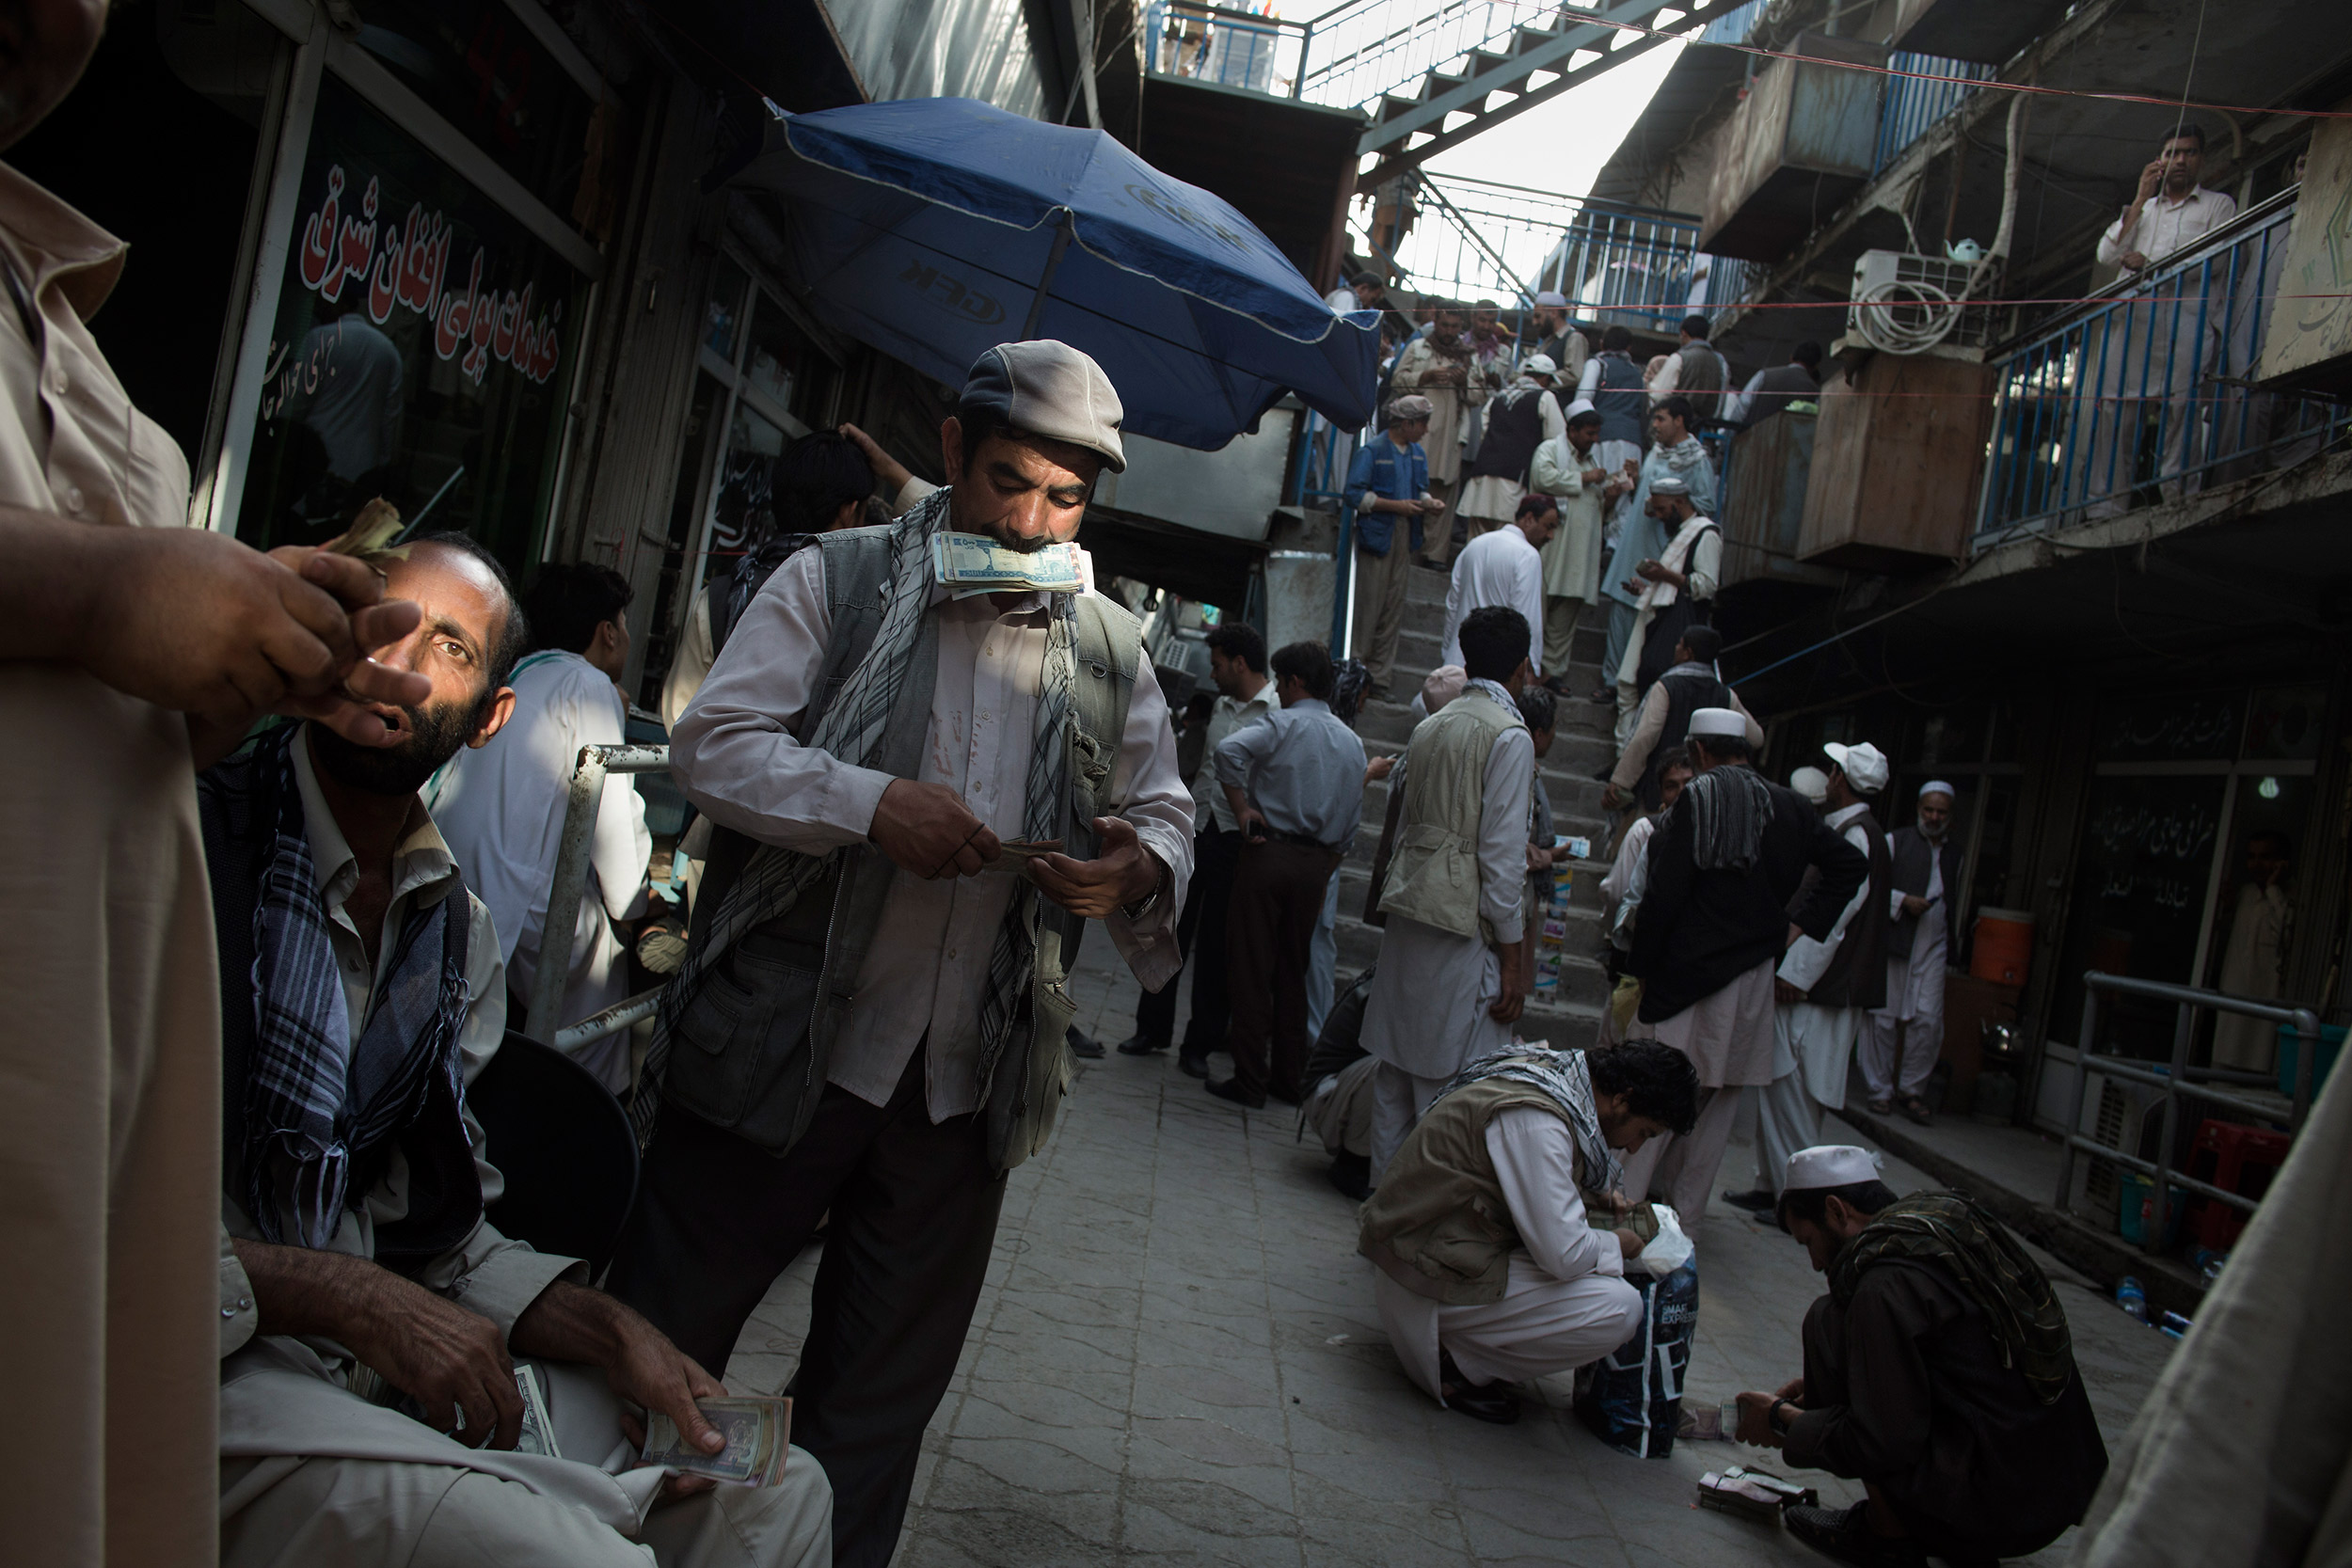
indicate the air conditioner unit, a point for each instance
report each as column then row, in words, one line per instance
column 1901, row 299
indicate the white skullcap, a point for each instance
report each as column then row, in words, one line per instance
column 1724, row 722
column 1937, row 786
column 1581, row 405
column 1553, row 296
column 1865, row 766
column 1829, row 1165
column 1538, row 364
column 1812, row 784
column 1666, row 484
column 1441, row 686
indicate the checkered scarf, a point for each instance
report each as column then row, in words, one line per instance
column 852, row 729
column 319, row 1104
column 1566, row 1078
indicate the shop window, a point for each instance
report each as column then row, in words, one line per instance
column 422, row 346
column 723, row 316
column 742, row 509
column 780, row 361
column 482, row 71
column 667, row 621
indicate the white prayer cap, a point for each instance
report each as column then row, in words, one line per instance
column 1581, row 405
column 1666, row 484
column 1812, row 784
column 1719, row 721
column 1553, row 296
column 1829, row 1165
column 1865, row 766
column 1443, row 685
column 1937, row 786
column 1538, row 364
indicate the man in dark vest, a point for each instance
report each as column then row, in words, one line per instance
column 872, row 1012
column 1822, row 988
column 1714, row 924
column 1613, row 383
column 1901, row 1039
column 1520, row 418
column 1695, row 373
column 372, row 1317
column 1768, row 392
column 1939, row 1372
column 1663, row 719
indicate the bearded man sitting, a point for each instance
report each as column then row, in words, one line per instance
column 370, row 1314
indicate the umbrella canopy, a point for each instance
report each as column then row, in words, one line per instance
column 927, row 226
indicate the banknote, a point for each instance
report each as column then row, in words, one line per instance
column 539, row 1433
column 758, row 1431
column 973, row 562
column 370, row 533
column 1030, row 849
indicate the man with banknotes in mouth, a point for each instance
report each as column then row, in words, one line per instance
column 929, row 763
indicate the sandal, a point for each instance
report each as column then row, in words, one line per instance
column 1917, row 1109
column 1881, row 1107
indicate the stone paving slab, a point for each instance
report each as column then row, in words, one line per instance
column 1176, row 1360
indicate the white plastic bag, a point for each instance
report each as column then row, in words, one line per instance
column 1669, row 1249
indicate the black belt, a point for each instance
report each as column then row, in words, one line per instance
column 1306, row 842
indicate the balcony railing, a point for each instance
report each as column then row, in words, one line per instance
column 2140, row 396
column 1230, row 45
column 1366, row 48
column 1912, row 105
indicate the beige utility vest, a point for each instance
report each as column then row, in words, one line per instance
column 1438, row 1224
column 1433, row 872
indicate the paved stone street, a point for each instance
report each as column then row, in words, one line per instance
column 1176, row 1359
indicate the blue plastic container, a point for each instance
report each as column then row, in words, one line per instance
column 2331, row 1046
column 2135, row 1195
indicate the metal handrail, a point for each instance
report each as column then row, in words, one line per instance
column 2175, row 1083
column 586, row 796
column 1231, row 21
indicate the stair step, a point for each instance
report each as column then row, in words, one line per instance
column 1438, row 84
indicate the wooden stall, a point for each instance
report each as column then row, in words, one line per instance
column 1897, row 462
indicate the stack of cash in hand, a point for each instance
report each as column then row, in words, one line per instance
column 758, row 1431
column 969, row 563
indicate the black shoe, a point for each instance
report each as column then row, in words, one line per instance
column 1140, row 1045
column 1917, row 1109
column 1352, row 1175
column 1224, row 1089
column 1845, row 1534
column 1481, row 1401
column 1085, row 1045
column 1758, row 1201
column 1192, row 1066
column 1606, row 696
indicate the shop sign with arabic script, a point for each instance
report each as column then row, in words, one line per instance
column 408, row 263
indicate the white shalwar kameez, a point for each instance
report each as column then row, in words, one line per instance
column 502, row 808
column 1915, row 998
column 1812, row 1045
column 1565, row 1303
column 1426, row 1017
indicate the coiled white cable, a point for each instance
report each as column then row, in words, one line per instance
column 1878, row 307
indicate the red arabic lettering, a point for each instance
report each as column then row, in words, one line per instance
column 319, row 250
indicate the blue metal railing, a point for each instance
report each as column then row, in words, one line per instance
column 1319, row 468
column 1912, row 104
column 2145, row 388
column 1227, row 44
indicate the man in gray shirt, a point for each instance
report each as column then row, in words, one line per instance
column 1295, row 781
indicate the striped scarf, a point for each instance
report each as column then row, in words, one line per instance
column 852, row 729
column 319, row 1104
column 1566, row 1078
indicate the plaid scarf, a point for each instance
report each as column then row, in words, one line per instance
column 1567, row 1080
column 852, row 729
column 1949, row 1228
column 319, row 1104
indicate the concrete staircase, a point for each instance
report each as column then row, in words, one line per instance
column 1579, row 748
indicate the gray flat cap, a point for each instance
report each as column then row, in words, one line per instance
column 1048, row 388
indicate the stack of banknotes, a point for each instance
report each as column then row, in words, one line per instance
column 758, row 1431
column 969, row 563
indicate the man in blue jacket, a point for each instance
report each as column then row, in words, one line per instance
column 1389, row 481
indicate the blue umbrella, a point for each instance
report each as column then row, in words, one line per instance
column 935, row 229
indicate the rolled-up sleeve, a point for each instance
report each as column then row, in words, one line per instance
column 733, row 752
column 1149, row 789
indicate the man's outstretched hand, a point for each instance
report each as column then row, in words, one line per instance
column 1121, row 872
column 572, row 1322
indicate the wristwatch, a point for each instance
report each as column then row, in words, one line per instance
column 1150, row 901
column 1772, row 1418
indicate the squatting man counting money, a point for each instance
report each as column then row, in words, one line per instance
column 872, row 1014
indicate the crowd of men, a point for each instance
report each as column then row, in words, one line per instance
column 289, row 821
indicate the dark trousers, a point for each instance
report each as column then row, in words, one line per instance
column 1277, row 897
column 913, row 1209
column 1200, row 937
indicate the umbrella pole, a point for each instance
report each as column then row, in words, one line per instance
column 1053, row 264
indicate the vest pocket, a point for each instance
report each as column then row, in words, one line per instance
column 746, row 1024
